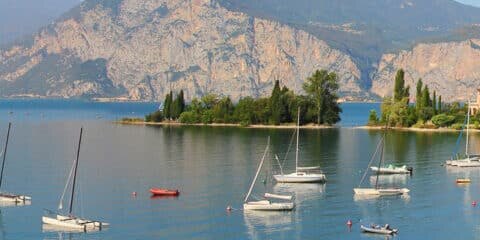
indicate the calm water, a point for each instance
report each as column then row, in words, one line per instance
column 213, row 168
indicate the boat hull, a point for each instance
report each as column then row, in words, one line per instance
column 378, row 230
column 380, row 192
column 164, row 192
column 268, row 206
column 74, row 223
column 386, row 170
column 300, row 178
column 6, row 197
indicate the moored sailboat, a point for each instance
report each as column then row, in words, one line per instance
column 377, row 191
column 265, row 204
column 14, row 199
column 301, row 174
column 69, row 220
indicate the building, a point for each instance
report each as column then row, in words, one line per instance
column 475, row 106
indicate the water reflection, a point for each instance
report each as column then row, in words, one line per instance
column 392, row 180
column 14, row 204
column 303, row 192
column 260, row 223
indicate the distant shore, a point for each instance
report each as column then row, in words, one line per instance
column 173, row 123
column 414, row 129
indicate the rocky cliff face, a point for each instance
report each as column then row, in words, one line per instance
column 140, row 49
column 452, row 69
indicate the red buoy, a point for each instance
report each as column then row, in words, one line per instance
column 474, row 203
column 349, row 223
column 134, row 194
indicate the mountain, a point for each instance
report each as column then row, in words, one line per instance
column 142, row 49
column 452, row 69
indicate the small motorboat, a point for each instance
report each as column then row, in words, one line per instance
column 379, row 229
column 164, row 192
column 463, row 180
column 391, row 169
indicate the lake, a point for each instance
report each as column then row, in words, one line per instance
column 213, row 168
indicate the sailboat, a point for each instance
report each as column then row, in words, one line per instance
column 470, row 160
column 377, row 191
column 71, row 221
column 8, row 197
column 301, row 174
column 267, row 205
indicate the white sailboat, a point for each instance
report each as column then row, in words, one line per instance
column 377, row 191
column 470, row 160
column 71, row 221
column 267, row 205
column 9, row 199
column 301, row 174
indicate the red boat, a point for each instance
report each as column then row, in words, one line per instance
column 164, row 192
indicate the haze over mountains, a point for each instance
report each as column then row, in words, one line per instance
column 142, row 49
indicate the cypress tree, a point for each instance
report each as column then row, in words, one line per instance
column 167, row 106
column 418, row 97
column 275, row 104
column 434, row 102
column 178, row 106
column 440, row 104
column 426, row 102
column 399, row 90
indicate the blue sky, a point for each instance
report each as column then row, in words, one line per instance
column 471, row 2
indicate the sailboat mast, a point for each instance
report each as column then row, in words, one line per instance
column 5, row 153
column 380, row 162
column 298, row 133
column 468, row 127
column 258, row 171
column 75, row 172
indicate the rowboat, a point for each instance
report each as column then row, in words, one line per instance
column 379, row 230
column 164, row 192
column 381, row 191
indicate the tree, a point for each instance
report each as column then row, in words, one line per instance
column 440, row 104
column 223, row 111
column 400, row 91
column 167, row 106
column 322, row 89
column 418, row 96
column 426, row 101
column 372, row 118
column 178, row 106
column 276, row 104
column 434, row 102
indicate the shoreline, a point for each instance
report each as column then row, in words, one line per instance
column 412, row 129
column 258, row 126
